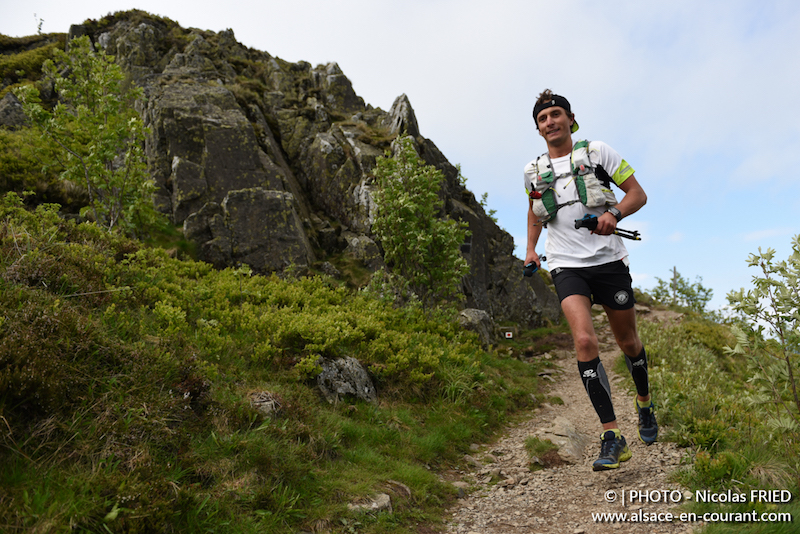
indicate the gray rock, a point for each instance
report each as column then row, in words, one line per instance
column 11, row 114
column 345, row 377
column 380, row 503
column 201, row 146
column 571, row 443
column 480, row 322
column 266, row 231
column 256, row 227
column 401, row 118
column 329, row 269
column 365, row 250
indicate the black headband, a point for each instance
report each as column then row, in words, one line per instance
column 556, row 100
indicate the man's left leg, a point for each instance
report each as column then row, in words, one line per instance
column 623, row 325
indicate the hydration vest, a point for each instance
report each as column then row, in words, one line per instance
column 592, row 182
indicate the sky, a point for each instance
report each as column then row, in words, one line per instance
column 699, row 96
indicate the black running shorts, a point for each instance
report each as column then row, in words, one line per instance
column 609, row 284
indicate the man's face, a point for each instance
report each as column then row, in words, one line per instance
column 554, row 125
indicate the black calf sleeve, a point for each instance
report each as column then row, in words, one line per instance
column 638, row 368
column 596, row 383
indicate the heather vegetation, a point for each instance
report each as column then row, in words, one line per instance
column 127, row 378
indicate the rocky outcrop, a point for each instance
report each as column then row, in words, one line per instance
column 248, row 227
column 269, row 163
column 201, row 146
column 11, row 114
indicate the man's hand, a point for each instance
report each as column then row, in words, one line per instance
column 533, row 257
column 533, row 265
column 606, row 224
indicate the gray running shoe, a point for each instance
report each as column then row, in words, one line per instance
column 648, row 428
column 613, row 450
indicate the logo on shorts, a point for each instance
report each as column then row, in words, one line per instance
column 621, row 297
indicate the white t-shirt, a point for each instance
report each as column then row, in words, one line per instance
column 567, row 246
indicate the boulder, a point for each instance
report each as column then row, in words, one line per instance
column 265, row 230
column 480, row 322
column 11, row 114
column 379, row 503
column 344, row 377
column 201, row 146
column 364, row 249
column 571, row 443
column 208, row 228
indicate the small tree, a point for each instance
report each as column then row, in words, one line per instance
column 773, row 307
column 680, row 292
column 420, row 243
column 95, row 134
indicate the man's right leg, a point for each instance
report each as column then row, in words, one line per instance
column 578, row 312
column 614, row 449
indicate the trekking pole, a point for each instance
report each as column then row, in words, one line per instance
column 531, row 268
column 590, row 222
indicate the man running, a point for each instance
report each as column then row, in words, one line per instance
column 568, row 182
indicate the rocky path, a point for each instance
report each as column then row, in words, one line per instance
column 503, row 496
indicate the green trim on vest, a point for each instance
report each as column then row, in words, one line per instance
column 580, row 182
column 582, row 171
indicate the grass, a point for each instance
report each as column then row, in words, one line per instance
column 126, row 378
column 543, row 453
column 704, row 399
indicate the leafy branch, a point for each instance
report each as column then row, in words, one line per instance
column 420, row 242
column 772, row 311
column 96, row 134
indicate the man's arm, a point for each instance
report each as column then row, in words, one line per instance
column 534, row 231
column 632, row 202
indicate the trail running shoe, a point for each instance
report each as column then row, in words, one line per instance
column 613, row 450
column 648, row 428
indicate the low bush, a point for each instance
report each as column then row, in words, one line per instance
column 704, row 396
column 128, row 381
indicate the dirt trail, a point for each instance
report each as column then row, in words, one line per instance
column 505, row 497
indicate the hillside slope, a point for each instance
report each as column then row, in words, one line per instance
column 269, row 163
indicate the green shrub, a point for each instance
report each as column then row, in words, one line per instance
column 139, row 368
column 771, row 335
column 421, row 245
column 715, row 403
column 27, row 65
column 681, row 293
column 96, row 136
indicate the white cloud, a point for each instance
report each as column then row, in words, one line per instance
column 768, row 233
column 676, row 237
